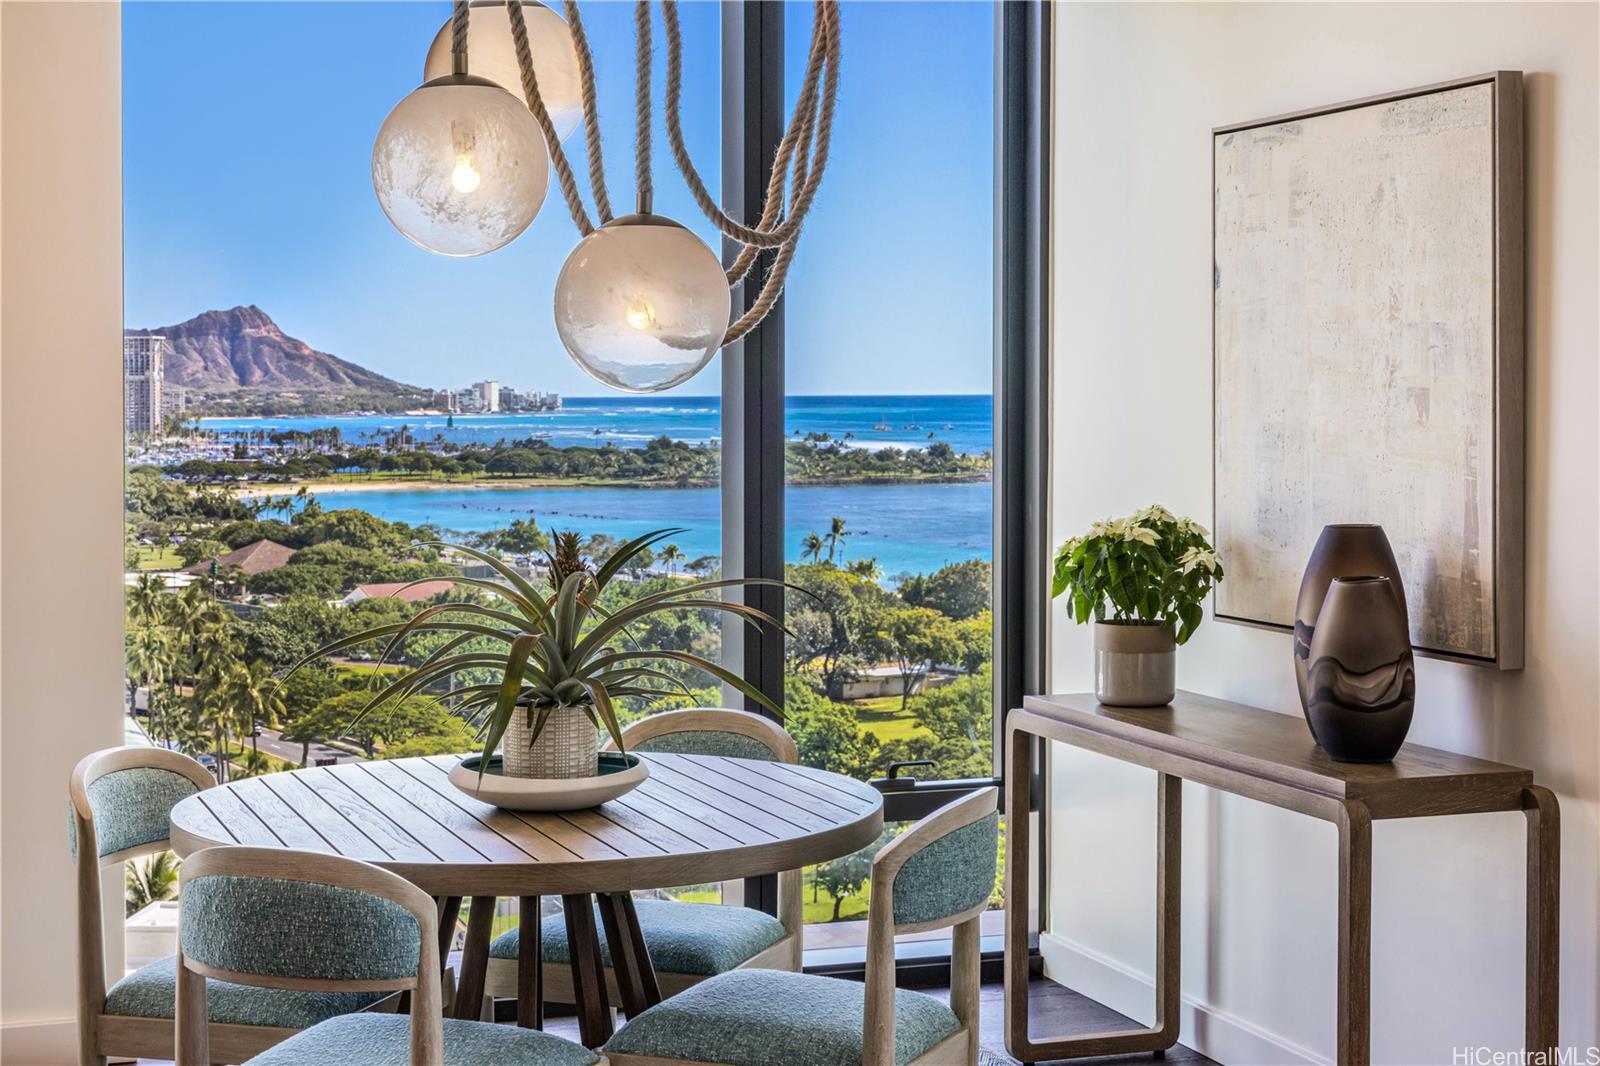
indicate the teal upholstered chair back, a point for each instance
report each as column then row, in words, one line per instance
column 277, row 927
column 286, row 919
column 938, row 873
column 122, row 798
column 739, row 735
column 712, row 731
column 950, row 876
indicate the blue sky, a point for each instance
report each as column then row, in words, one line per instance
column 247, row 136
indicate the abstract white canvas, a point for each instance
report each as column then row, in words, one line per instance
column 1356, row 356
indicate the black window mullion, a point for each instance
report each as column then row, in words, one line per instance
column 752, row 368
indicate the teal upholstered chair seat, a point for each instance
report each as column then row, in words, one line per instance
column 778, row 1018
column 381, row 1040
column 688, row 938
column 150, row 992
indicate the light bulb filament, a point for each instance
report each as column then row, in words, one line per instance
column 641, row 314
column 465, row 176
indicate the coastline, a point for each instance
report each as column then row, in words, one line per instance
column 333, row 488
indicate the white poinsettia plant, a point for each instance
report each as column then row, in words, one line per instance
column 1151, row 568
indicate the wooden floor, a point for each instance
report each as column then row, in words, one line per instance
column 1057, row 1011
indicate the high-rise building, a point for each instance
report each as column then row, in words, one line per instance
column 142, row 372
column 488, row 396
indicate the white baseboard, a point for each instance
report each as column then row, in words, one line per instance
column 39, row 1043
column 1213, row 1032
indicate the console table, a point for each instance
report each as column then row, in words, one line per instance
column 1270, row 757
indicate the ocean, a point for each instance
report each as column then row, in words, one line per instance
column 909, row 529
column 966, row 423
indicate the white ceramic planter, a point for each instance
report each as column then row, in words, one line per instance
column 566, row 747
column 1134, row 665
column 620, row 774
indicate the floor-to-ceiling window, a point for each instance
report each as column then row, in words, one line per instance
column 312, row 402
column 889, row 491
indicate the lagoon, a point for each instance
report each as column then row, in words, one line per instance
column 912, row 528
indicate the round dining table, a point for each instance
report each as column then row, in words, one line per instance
column 696, row 819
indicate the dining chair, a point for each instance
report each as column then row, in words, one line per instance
column 122, row 799
column 284, row 920
column 937, row 874
column 687, row 942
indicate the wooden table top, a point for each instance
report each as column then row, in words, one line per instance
column 1275, row 747
column 695, row 819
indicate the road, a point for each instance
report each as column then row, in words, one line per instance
column 273, row 744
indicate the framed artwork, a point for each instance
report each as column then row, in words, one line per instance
column 1367, row 347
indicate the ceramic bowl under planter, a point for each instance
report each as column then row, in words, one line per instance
column 619, row 774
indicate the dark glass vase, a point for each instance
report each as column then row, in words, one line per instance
column 1347, row 550
column 1361, row 676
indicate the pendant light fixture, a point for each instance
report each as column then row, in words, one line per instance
column 642, row 304
column 460, row 166
column 494, row 56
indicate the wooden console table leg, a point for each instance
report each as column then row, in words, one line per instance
column 1169, row 832
column 1544, row 918
column 1018, row 887
column 1169, row 905
column 1355, row 935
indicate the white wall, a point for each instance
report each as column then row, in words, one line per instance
column 60, row 483
column 1138, row 88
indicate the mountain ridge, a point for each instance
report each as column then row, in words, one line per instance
column 242, row 348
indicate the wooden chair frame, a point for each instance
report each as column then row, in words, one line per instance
column 556, row 983
column 101, row 1034
column 878, row 1043
column 194, row 1046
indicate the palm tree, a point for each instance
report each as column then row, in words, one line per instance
column 867, row 568
column 147, row 600
column 150, row 658
column 670, row 555
column 215, row 661
column 150, row 881
column 256, row 699
column 835, row 537
column 811, row 547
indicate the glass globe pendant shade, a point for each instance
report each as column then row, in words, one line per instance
column 460, row 166
column 642, row 304
column 493, row 55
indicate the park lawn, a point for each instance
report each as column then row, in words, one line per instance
column 883, row 717
column 272, row 764
column 159, row 559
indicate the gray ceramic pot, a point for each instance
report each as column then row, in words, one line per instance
column 1346, row 550
column 1134, row 665
column 1362, row 677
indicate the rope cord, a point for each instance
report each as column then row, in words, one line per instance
column 458, row 37
column 591, row 111
column 798, row 164
column 825, row 29
column 641, row 103
column 798, row 133
column 530, row 89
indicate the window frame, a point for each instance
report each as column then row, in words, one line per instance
column 753, row 385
